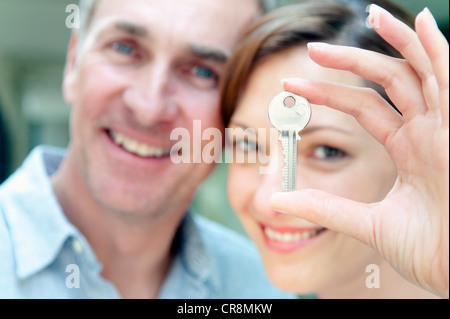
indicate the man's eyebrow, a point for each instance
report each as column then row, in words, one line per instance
column 208, row 54
column 131, row 28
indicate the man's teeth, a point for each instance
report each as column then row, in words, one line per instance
column 290, row 237
column 136, row 147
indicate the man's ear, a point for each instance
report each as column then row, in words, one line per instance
column 70, row 71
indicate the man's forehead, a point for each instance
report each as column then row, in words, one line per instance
column 223, row 17
column 200, row 8
column 218, row 23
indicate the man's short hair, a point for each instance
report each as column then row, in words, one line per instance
column 87, row 8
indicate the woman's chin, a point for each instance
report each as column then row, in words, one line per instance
column 288, row 278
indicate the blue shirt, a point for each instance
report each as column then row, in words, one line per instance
column 42, row 255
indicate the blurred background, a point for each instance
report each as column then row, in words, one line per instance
column 33, row 42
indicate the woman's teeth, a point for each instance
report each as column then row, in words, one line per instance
column 286, row 237
column 137, row 148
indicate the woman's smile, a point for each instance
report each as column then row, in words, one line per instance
column 287, row 239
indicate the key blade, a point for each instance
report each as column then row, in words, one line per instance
column 285, row 171
column 289, row 144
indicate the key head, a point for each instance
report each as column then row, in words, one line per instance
column 289, row 111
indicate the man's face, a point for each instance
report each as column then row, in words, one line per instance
column 145, row 68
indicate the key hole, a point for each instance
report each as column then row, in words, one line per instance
column 289, row 102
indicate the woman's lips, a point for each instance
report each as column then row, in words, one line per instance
column 289, row 239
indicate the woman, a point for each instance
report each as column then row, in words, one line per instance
column 372, row 180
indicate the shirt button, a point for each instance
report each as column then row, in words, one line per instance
column 77, row 246
column 199, row 261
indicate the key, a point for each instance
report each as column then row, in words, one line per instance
column 289, row 114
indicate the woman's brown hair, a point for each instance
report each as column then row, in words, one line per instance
column 340, row 22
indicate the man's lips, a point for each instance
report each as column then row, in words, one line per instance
column 137, row 148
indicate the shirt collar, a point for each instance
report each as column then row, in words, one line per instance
column 37, row 224
column 39, row 227
column 193, row 253
column 191, row 270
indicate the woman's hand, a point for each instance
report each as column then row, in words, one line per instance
column 410, row 227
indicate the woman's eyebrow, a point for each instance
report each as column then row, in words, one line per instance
column 308, row 129
column 239, row 124
column 311, row 129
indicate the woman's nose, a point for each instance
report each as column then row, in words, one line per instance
column 270, row 184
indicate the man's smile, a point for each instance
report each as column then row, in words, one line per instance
column 137, row 148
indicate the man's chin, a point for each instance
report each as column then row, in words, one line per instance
column 133, row 214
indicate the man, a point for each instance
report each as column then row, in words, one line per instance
column 108, row 218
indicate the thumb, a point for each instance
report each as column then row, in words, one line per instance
column 331, row 211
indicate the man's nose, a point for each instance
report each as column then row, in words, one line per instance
column 150, row 97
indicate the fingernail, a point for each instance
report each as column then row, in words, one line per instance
column 374, row 9
column 285, row 213
column 278, row 198
column 292, row 80
column 318, row 45
column 374, row 16
column 429, row 15
column 283, row 81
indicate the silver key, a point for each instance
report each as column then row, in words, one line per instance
column 289, row 114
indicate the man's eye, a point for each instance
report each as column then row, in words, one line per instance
column 124, row 48
column 327, row 152
column 201, row 77
column 203, row 72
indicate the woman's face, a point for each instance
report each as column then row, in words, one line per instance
column 335, row 154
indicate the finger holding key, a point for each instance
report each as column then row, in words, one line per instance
column 410, row 226
column 395, row 75
column 420, row 75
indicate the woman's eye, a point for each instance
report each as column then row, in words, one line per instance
column 246, row 146
column 328, row 153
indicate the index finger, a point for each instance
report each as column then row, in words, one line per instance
column 436, row 46
column 402, row 38
column 373, row 113
column 406, row 41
